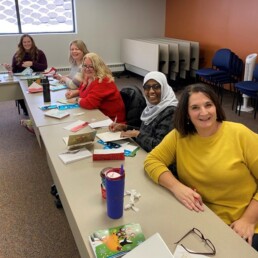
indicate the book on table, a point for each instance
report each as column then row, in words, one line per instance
column 117, row 241
column 56, row 113
column 72, row 156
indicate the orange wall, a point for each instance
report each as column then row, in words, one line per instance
column 215, row 24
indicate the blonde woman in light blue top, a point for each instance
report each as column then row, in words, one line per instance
column 78, row 50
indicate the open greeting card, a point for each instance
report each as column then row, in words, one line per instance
column 78, row 140
column 77, row 147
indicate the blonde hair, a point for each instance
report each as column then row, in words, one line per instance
column 80, row 45
column 101, row 69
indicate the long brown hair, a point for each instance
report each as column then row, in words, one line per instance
column 21, row 50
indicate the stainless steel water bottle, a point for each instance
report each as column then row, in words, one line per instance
column 46, row 89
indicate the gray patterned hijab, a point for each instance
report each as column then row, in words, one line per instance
column 168, row 97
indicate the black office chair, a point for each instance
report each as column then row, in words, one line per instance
column 249, row 88
column 134, row 104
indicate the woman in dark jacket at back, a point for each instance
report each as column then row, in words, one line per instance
column 27, row 56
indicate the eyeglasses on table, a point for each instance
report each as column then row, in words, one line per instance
column 201, row 236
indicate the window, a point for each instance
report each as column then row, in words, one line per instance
column 36, row 16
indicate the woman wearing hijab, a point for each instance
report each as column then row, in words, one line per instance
column 157, row 117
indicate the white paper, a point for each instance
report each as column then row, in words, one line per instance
column 102, row 123
column 110, row 136
column 153, row 247
column 69, row 127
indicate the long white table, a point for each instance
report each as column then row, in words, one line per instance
column 79, row 188
column 35, row 100
column 10, row 88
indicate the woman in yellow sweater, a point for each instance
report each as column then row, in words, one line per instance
column 216, row 162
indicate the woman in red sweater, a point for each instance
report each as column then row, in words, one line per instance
column 98, row 90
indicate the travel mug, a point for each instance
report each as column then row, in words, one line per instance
column 115, row 185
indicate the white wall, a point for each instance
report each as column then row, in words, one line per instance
column 101, row 24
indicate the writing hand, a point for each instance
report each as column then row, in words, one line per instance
column 115, row 127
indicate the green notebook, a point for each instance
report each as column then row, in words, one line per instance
column 116, row 242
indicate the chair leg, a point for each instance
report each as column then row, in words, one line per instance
column 18, row 106
column 238, row 102
column 234, row 98
column 255, row 108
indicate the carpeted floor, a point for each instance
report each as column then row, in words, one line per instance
column 31, row 226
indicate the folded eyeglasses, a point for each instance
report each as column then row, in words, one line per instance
column 201, row 236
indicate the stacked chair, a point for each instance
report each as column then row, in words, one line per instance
column 249, row 87
column 226, row 68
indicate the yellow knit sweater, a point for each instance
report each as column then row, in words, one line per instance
column 223, row 167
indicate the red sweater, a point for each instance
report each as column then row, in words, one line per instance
column 105, row 97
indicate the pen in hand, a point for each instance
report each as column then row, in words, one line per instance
column 111, row 127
